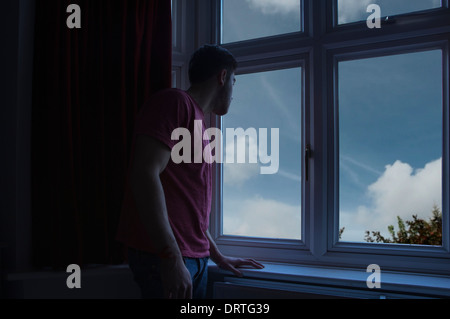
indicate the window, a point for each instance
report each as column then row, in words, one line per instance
column 390, row 142
column 370, row 112
column 256, row 203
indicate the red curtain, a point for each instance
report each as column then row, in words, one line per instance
column 88, row 85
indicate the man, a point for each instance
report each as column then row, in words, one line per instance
column 166, row 209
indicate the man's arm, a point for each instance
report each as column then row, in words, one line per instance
column 150, row 159
column 230, row 263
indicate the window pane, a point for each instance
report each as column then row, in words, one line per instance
column 256, row 204
column 250, row 19
column 390, row 147
column 356, row 10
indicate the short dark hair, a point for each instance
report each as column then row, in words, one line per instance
column 208, row 61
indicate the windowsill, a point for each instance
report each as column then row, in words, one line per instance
column 344, row 278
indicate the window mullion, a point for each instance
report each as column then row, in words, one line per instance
column 317, row 188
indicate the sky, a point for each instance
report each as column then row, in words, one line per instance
column 390, row 131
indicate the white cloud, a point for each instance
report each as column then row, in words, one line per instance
column 400, row 191
column 237, row 174
column 260, row 217
column 275, row 6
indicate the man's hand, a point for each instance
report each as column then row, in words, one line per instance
column 232, row 264
column 176, row 279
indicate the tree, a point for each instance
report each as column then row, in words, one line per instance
column 416, row 231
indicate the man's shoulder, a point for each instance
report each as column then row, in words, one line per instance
column 172, row 100
column 170, row 104
column 171, row 94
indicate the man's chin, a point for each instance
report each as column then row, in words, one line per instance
column 220, row 113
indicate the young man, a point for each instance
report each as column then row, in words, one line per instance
column 165, row 215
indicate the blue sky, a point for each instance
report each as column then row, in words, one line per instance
column 390, row 138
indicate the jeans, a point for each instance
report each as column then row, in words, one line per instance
column 146, row 271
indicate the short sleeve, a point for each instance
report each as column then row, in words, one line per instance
column 162, row 114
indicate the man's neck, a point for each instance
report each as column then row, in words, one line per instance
column 203, row 97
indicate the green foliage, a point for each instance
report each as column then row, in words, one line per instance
column 416, row 231
column 341, row 231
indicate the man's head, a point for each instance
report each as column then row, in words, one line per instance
column 208, row 61
column 213, row 67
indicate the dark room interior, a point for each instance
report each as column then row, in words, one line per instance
column 357, row 93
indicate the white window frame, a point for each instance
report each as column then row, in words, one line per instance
column 317, row 49
column 284, row 250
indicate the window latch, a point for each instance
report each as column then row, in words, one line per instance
column 308, row 154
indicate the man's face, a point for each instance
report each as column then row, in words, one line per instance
column 225, row 96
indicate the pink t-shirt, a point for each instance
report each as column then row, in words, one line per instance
column 187, row 186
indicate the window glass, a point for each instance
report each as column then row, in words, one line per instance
column 356, row 10
column 262, row 197
column 250, row 19
column 390, row 148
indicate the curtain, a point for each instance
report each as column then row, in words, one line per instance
column 88, row 85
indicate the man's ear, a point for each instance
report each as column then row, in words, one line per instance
column 223, row 77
